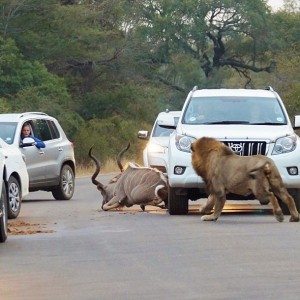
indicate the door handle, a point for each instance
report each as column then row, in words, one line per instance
column 60, row 149
column 41, row 152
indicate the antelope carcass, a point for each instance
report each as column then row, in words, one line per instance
column 135, row 185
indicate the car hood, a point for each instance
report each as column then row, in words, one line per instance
column 235, row 132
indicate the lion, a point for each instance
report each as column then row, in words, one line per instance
column 225, row 172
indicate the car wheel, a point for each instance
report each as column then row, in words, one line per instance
column 295, row 193
column 3, row 214
column 14, row 198
column 65, row 189
column 178, row 203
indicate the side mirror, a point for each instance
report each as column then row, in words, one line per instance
column 143, row 134
column 27, row 142
column 297, row 122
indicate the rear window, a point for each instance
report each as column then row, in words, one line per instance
column 53, row 129
column 41, row 130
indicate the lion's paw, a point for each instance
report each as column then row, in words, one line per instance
column 293, row 219
column 279, row 217
column 208, row 218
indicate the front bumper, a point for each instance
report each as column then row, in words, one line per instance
column 189, row 179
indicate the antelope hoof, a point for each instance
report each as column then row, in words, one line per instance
column 142, row 207
column 279, row 217
column 294, row 219
column 209, row 218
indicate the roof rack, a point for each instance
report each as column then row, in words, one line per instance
column 33, row 113
column 269, row 88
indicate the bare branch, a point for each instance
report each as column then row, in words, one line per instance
column 241, row 65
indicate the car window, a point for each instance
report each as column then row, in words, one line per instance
column 7, row 131
column 41, row 130
column 54, row 131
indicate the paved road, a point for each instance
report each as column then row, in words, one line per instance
column 73, row 250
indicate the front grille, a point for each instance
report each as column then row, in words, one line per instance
column 247, row 148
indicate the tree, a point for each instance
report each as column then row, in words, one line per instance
column 28, row 86
column 215, row 34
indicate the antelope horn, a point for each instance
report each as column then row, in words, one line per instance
column 119, row 157
column 94, row 181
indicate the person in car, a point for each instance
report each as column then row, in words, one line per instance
column 26, row 133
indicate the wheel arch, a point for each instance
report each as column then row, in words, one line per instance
column 4, row 176
column 71, row 164
column 17, row 177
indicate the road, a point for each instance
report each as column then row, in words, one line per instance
column 73, row 250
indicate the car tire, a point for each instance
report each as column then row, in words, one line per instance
column 3, row 217
column 178, row 203
column 65, row 189
column 295, row 193
column 14, row 198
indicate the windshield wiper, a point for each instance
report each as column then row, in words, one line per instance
column 267, row 123
column 227, row 122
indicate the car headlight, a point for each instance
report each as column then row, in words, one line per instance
column 183, row 142
column 284, row 145
column 156, row 148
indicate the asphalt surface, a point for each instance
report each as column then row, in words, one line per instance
column 73, row 250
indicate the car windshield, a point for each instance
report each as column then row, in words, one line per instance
column 7, row 131
column 161, row 131
column 234, row 110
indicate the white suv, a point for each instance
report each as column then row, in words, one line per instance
column 13, row 184
column 156, row 151
column 248, row 121
column 51, row 168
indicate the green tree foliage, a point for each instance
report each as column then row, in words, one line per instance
column 108, row 136
column 105, row 68
column 209, row 34
column 28, row 86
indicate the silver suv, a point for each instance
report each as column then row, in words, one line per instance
column 51, row 168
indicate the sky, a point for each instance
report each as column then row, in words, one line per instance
column 275, row 4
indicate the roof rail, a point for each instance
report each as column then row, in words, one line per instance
column 269, row 88
column 33, row 113
column 195, row 88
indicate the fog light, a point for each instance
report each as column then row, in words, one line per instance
column 178, row 170
column 292, row 170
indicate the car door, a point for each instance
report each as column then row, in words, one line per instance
column 46, row 130
column 34, row 159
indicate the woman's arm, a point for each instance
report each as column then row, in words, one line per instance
column 39, row 143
